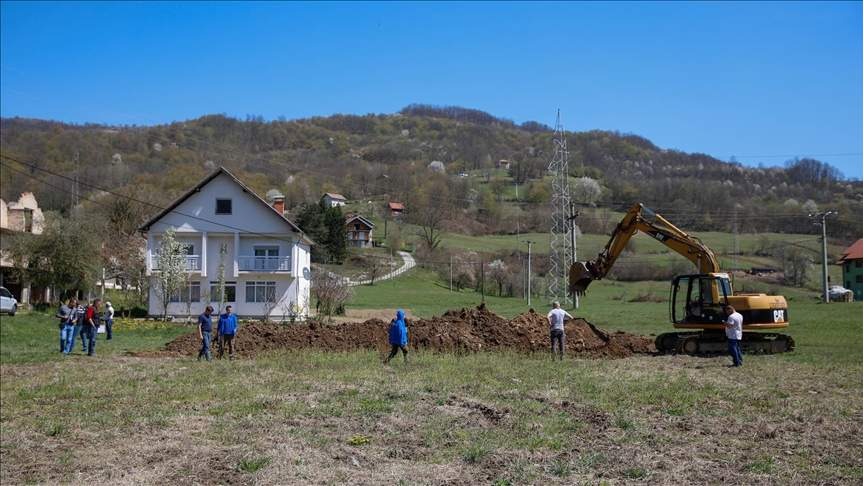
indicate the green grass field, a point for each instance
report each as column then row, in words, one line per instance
column 489, row 418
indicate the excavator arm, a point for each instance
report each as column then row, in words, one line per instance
column 640, row 218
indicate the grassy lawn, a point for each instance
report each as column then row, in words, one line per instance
column 489, row 418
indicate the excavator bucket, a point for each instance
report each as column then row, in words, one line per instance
column 580, row 278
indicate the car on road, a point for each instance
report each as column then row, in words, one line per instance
column 8, row 303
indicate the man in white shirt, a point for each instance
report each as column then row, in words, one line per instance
column 556, row 327
column 734, row 324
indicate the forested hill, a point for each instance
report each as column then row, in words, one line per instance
column 367, row 156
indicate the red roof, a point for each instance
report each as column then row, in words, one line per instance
column 397, row 206
column 853, row 252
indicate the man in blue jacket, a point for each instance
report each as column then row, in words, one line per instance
column 226, row 332
column 398, row 336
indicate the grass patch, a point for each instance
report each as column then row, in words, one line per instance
column 253, row 465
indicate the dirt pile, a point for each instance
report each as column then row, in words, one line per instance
column 466, row 330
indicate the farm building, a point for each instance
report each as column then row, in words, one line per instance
column 16, row 217
column 396, row 208
column 851, row 261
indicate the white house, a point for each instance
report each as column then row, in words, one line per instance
column 332, row 200
column 264, row 257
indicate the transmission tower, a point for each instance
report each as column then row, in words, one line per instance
column 560, row 254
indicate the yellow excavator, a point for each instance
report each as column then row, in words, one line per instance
column 695, row 301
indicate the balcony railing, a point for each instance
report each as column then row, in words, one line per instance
column 192, row 262
column 264, row 263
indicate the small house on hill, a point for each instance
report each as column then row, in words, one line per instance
column 503, row 164
column 332, row 200
column 396, row 208
column 851, row 261
column 359, row 231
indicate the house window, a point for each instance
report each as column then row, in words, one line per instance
column 28, row 221
column 223, row 206
column 858, row 279
column 188, row 248
column 261, row 292
column 189, row 293
column 857, row 263
column 230, row 292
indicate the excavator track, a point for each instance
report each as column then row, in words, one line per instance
column 712, row 343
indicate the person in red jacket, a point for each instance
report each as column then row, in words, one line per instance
column 91, row 325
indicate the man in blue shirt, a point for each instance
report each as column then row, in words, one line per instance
column 205, row 326
column 226, row 332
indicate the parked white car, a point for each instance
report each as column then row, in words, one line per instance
column 8, row 304
column 839, row 293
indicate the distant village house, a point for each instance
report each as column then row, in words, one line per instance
column 396, row 208
column 16, row 217
column 359, row 231
column 332, row 200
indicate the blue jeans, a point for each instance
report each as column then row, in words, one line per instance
column 735, row 352
column 205, row 345
column 78, row 332
column 67, row 337
column 108, row 324
column 88, row 333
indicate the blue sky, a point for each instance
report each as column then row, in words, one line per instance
column 759, row 81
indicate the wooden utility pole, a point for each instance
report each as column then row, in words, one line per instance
column 482, row 281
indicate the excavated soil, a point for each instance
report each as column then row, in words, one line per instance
column 466, row 330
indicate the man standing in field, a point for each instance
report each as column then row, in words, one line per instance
column 556, row 327
column 226, row 332
column 63, row 316
column 205, row 326
column 91, row 324
column 734, row 323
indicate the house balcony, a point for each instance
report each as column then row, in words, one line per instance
column 191, row 263
column 280, row 264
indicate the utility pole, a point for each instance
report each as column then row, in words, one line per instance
column 529, row 272
column 573, row 215
column 821, row 217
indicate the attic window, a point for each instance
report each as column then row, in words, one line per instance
column 223, row 206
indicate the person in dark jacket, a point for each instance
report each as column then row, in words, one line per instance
column 205, row 326
column 63, row 316
column 226, row 332
column 76, row 317
column 398, row 336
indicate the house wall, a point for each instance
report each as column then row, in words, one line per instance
column 852, row 276
column 286, row 294
column 248, row 213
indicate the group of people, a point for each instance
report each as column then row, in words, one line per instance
column 226, row 330
column 78, row 319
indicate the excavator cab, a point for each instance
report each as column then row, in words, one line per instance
column 699, row 299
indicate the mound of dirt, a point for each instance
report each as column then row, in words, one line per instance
column 466, row 330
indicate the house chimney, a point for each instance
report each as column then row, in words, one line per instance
column 279, row 204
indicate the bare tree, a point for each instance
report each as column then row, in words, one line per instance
column 375, row 267
column 331, row 291
column 429, row 209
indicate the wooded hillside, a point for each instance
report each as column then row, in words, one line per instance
column 367, row 156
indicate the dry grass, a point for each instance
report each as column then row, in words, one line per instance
column 487, row 418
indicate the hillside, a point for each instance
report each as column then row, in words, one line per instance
column 367, row 157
